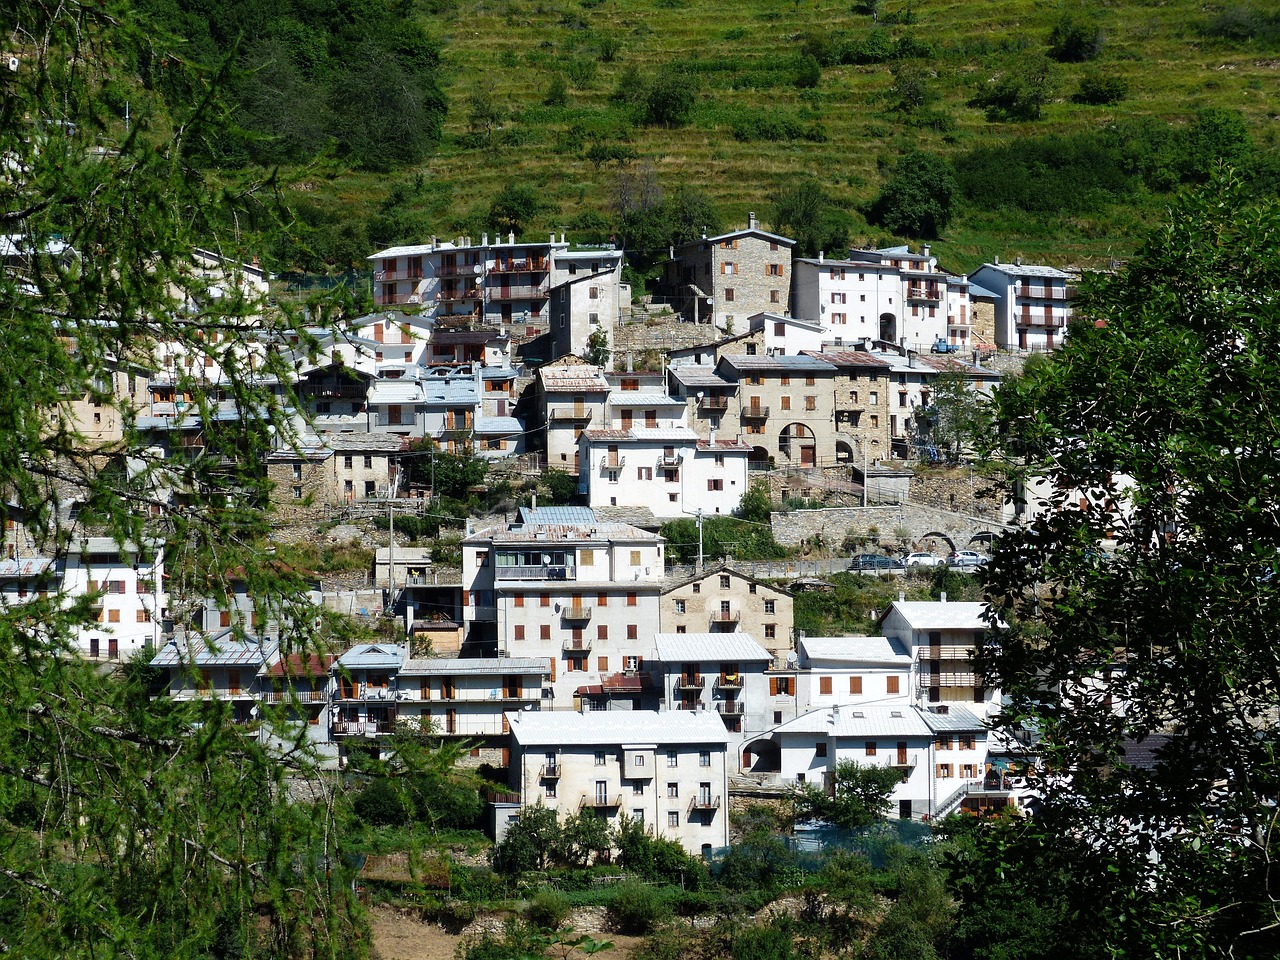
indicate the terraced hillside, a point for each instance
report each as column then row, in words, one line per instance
column 550, row 95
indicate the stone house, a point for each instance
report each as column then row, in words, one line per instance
column 723, row 599
column 785, row 407
column 572, row 395
column 333, row 469
column 722, row 280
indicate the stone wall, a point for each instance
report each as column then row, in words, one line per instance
column 923, row 527
column 958, row 489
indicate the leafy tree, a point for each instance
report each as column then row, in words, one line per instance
column 1159, row 409
column 557, row 94
column 860, row 798
column 911, row 90
column 562, row 485
column 134, row 827
column 381, row 804
column 598, row 347
column 956, row 419
column 670, row 98
column 585, row 837
column 515, row 208
column 918, row 198
column 1075, row 38
column 1019, row 93
column 530, row 843
column 449, row 475
column 755, row 506
column 804, row 211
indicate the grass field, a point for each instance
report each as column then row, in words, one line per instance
column 744, row 58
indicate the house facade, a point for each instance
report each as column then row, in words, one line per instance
column 722, row 599
column 1032, row 303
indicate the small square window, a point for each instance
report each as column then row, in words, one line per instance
column 672, row 757
column 704, row 758
column 673, row 790
column 600, row 758
column 673, row 818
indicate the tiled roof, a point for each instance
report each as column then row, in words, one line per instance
column 295, row 665
column 723, row 647
column 616, row 728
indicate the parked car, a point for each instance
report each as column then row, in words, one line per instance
column 922, row 560
column 966, row 558
column 942, row 346
column 875, row 562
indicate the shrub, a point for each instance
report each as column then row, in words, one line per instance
column 1097, row 90
column 582, row 72
column 557, row 92
column 808, row 72
column 637, row 908
column 548, row 909
column 380, row 804
column 670, row 99
column 1075, row 39
column 1018, row 94
column 918, row 198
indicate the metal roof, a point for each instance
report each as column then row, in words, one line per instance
column 467, row 337
column 373, row 656
column 220, row 650
column 861, row 720
column 564, row 515
column 848, row 358
column 25, row 567
column 723, row 647
column 954, row 719
column 479, row 667
column 939, row 615
column 613, row 728
column 861, row 650
column 505, row 425
column 581, row 377
column 700, row 375
column 623, row 398
column 1025, row 270
column 779, row 362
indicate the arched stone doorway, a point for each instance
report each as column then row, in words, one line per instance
column 798, row 444
column 844, row 451
column 889, row 327
column 761, row 756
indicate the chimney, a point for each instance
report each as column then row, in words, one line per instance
column 713, row 438
column 902, row 597
column 534, row 501
column 752, row 222
column 997, row 261
column 820, row 257
column 484, row 239
column 562, row 238
column 631, row 362
column 942, row 596
column 671, row 253
column 1017, row 261
column 435, row 243
column 925, row 250
column 911, row 358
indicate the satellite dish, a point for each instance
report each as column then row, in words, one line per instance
column 476, row 269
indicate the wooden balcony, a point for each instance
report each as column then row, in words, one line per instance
column 691, row 683
column 755, row 413
column 713, row 404
column 733, row 682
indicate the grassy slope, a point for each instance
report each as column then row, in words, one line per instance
column 513, row 49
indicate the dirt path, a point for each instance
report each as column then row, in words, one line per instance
column 397, row 936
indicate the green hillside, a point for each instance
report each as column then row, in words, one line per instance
column 548, row 95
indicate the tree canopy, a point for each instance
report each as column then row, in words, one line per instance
column 131, row 826
column 1143, row 595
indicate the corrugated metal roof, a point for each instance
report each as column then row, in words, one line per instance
column 956, row 719
column 723, row 647
column 467, row 337
column 395, row 391
column 660, row 434
column 584, row 377
column 27, row 567
column 373, row 656
column 562, row 515
column 783, row 362
column 479, row 667
column 220, row 650
column 1027, row 270
column 627, row 398
column 611, row 728
column 700, row 375
column 882, row 650
column 505, row 425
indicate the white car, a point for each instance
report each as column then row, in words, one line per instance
column 966, row 558
column 922, row 560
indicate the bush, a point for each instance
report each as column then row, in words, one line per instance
column 581, row 73
column 557, row 92
column 808, row 72
column 548, row 909
column 670, row 99
column 381, row 805
column 1097, row 90
column 1075, row 39
column 919, row 197
column 637, row 908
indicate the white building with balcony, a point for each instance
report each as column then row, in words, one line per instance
column 572, row 395
column 721, row 673
column 941, row 753
column 560, row 584
column 1032, row 303
column 941, row 637
column 850, row 671
column 220, row 666
column 668, row 471
column 364, row 707
column 470, row 698
column 668, row 770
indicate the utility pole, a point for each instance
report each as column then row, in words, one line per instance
column 699, row 516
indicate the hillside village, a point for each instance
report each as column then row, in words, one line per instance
column 562, row 617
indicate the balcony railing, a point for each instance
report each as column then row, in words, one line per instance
column 452, row 296
column 725, row 616
column 319, row 391
column 549, row 771
column 392, row 275
column 904, row 761
column 733, row 682
column 690, row 683
column 612, row 462
column 704, row 802
column 455, row 269
column 541, row 572
column 527, row 265
column 599, row 800
column 755, row 412
column 536, row 292
column 730, row 708
column 713, row 403
column 299, row 696
column 576, row 646
column 394, row 298
column 690, row 705
column 577, row 414
column 362, row 728
column 579, row 612
column 667, row 461
column 929, row 294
